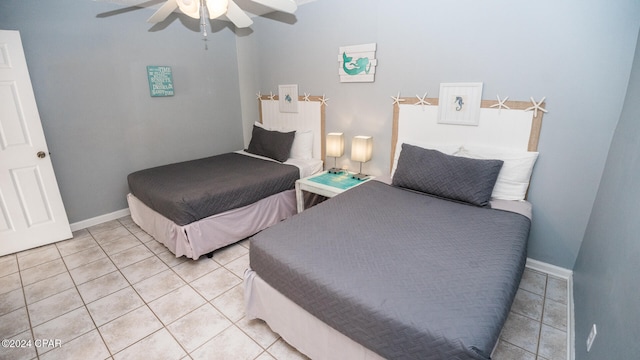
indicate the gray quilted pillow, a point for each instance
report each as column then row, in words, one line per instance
column 451, row 177
column 272, row 144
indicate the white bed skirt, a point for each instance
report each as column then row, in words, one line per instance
column 216, row 231
column 296, row 326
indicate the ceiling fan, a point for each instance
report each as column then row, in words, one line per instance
column 212, row 9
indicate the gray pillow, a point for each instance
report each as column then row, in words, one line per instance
column 452, row 177
column 272, row 144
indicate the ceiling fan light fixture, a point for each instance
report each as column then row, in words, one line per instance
column 203, row 9
column 217, row 8
column 191, row 8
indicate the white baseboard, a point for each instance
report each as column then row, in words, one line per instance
column 99, row 219
column 567, row 275
column 556, row 271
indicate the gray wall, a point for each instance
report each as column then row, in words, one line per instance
column 576, row 53
column 89, row 79
column 606, row 290
column 100, row 122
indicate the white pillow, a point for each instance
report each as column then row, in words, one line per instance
column 513, row 179
column 449, row 149
column 302, row 147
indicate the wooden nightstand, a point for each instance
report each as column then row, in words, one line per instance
column 325, row 184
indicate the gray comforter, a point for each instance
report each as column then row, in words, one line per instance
column 192, row 190
column 407, row 275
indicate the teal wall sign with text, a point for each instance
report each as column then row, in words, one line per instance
column 160, row 80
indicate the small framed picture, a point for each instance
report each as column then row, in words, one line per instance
column 160, row 80
column 288, row 98
column 459, row 103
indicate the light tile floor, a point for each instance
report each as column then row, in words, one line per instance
column 536, row 328
column 113, row 292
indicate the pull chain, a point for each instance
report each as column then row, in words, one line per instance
column 203, row 22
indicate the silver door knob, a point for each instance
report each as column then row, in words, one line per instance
column 41, row 154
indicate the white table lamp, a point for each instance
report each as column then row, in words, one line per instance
column 361, row 150
column 335, row 149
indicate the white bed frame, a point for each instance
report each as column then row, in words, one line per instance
column 214, row 232
column 514, row 128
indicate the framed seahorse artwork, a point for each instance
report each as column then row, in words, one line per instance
column 288, row 98
column 357, row 63
column 459, row 103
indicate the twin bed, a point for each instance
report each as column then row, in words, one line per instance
column 198, row 206
column 425, row 266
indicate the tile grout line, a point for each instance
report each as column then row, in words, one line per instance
column 264, row 349
column 544, row 300
column 97, row 328
column 539, row 322
column 84, row 303
column 137, row 293
column 187, row 283
column 128, row 282
column 119, row 269
column 32, row 327
column 26, row 306
column 172, row 268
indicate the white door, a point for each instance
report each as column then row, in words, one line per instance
column 31, row 209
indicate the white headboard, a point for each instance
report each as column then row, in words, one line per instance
column 310, row 116
column 514, row 128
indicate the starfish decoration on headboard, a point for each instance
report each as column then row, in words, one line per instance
column 536, row 106
column 306, row 97
column 259, row 95
column 271, row 96
column 501, row 104
column 397, row 99
column 422, row 101
column 323, row 100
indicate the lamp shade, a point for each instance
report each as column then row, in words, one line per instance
column 335, row 144
column 190, row 8
column 361, row 148
column 217, row 8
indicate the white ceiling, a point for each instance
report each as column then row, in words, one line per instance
column 251, row 8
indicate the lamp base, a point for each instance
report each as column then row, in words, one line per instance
column 335, row 171
column 360, row 176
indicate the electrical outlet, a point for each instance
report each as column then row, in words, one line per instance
column 592, row 336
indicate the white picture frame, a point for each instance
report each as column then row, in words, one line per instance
column 288, row 98
column 459, row 103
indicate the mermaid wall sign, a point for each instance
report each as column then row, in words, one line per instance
column 459, row 103
column 357, row 63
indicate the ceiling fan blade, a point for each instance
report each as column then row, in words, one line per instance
column 164, row 11
column 288, row 6
column 237, row 16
